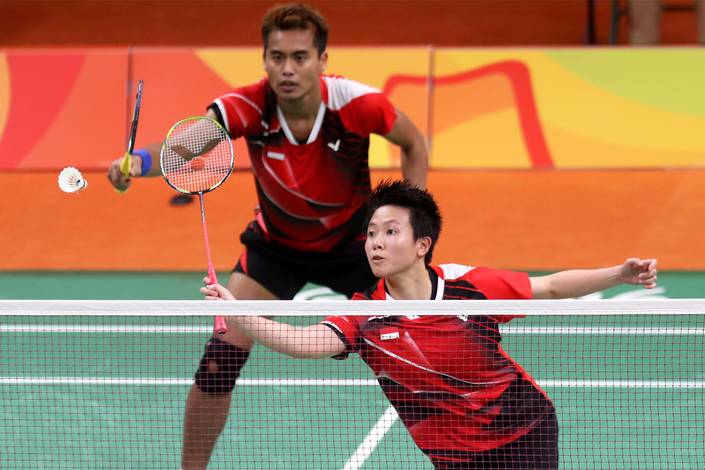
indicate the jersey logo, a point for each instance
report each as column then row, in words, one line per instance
column 389, row 335
column 334, row 146
column 276, row 155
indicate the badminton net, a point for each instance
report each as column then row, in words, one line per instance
column 102, row 384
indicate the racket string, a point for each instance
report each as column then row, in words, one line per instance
column 196, row 156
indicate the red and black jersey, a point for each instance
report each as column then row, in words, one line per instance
column 312, row 194
column 454, row 387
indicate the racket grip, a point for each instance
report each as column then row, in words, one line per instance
column 219, row 325
column 126, row 165
column 211, row 274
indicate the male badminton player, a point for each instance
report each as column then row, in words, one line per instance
column 464, row 401
column 308, row 138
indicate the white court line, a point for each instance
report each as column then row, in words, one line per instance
column 657, row 384
column 529, row 330
column 104, row 329
column 373, row 438
column 601, row 330
column 170, row 381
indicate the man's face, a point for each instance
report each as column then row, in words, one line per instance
column 390, row 245
column 292, row 63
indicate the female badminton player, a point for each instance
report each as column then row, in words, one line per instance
column 464, row 401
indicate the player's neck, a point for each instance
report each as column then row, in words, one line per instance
column 411, row 284
column 303, row 108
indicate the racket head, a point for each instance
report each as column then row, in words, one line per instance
column 197, row 155
column 126, row 164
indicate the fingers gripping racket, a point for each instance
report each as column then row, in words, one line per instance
column 126, row 164
column 196, row 157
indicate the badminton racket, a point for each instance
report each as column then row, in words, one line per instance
column 197, row 157
column 126, row 164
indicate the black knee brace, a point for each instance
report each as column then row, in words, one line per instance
column 220, row 367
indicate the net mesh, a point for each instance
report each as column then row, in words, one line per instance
column 103, row 385
column 196, row 156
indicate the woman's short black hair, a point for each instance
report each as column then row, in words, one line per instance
column 424, row 215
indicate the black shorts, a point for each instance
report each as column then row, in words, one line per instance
column 284, row 271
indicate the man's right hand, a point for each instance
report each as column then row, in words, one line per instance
column 117, row 179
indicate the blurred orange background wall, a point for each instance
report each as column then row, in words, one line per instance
column 353, row 22
column 522, row 219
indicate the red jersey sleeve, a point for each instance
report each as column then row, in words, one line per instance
column 363, row 109
column 241, row 109
column 371, row 113
column 347, row 328
column 498, row 284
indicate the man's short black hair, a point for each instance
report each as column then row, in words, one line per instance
column 296, row 16
column 424, row 215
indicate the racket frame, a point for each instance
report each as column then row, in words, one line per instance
column 230, row 145
column 126, row 164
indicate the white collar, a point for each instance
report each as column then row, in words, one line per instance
column 314, row 131
column 440, row 285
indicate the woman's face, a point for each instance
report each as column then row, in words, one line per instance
column 390, row 245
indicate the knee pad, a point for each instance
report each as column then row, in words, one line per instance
column 220, row 367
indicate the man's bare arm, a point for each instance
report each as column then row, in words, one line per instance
column 414, row 152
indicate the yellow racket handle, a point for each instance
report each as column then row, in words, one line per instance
column 126, row 165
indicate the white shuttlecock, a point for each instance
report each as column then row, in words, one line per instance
column 71, row 180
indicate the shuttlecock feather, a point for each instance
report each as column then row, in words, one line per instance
column 71, row 180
